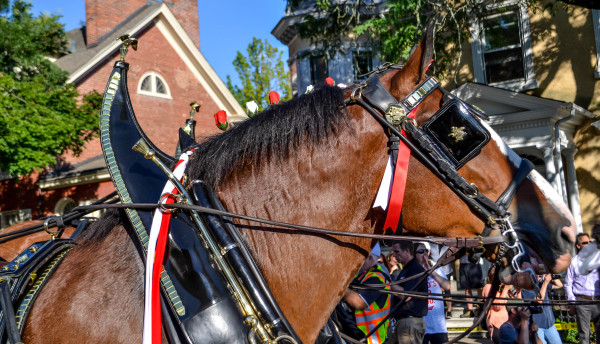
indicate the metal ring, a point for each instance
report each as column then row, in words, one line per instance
column 406, row 120
column 227, row 248
column 47, row 228
column 163, row 205
column 474, row 194
column 359, row 89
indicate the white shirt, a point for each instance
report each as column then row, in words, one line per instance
column 435, row 320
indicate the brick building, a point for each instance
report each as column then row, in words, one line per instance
column 166, row 73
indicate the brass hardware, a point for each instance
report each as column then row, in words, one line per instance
column 127, row 41
column 480, row 238
column 6, row 268
column 33, row 249
column 163, row 205
column 396, row 114
column 33, row 277
column 457, row 133
column 22, row 258
column 245, row 304
column 142, row 147
column 358, row 90
column 227, row 248
column 475, row 193
column 195, row 108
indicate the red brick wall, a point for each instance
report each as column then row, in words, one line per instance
column 78, row 193
column 186, row 12
column 20, row 193
column 101, row 16
column 160, row 118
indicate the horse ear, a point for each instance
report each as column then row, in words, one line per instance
column 421, row 56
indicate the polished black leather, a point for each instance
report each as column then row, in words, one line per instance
column 377, row 95
column 198, row 285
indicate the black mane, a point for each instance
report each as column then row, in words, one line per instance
column 274, row 133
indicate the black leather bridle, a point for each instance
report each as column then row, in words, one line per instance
column 392, row 114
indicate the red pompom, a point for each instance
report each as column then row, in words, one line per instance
column 274, row 98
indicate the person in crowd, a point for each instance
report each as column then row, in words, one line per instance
column 408, row 326
column 371, row 307
column 437, row 252
column 435, row 320
column 579, row 287
column 394, row 266
column 497, row 315
column 518, row 327
column 471, row 278
column 547, row 332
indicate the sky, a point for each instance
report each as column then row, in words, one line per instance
column 226, row 26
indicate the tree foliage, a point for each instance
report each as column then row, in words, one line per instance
column 41, row 116
column 395, row 26
column 260, row 71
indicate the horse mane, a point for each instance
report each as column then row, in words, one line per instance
column 104, row 225
column 272, row 134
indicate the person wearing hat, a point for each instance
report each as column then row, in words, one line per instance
column 370, row 306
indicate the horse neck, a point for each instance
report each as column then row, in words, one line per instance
column 330, row 186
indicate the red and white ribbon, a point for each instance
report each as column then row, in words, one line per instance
column 390, row 195
column 156, row 256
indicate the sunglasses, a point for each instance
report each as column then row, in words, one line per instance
column 585, row 242
column 420, row 251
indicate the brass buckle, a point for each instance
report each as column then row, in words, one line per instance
column 357, row 92
column 396, row 114
column 53, row 234
column 165, row 206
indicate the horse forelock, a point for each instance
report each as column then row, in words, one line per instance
column 273, row 134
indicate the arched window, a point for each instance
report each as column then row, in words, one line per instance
column 152, row 84
column 64, row 206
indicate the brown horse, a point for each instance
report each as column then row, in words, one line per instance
column 11, row 249
column 300, row 168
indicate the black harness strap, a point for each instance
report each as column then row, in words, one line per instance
column 12, row 331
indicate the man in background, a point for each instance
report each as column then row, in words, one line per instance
column 579, row 287
column 407, row 313
column 471, row 278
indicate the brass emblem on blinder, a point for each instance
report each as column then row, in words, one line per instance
column 395, row 114
column 457, row 133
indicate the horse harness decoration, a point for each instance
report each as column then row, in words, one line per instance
column 444, row 143
column 235, row 291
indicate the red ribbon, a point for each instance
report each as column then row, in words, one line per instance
column 398, row 184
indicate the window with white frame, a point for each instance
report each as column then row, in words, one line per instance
column 9, row 218
column 501, row 45
column 152, row 84
column 596, row 21
column 362, row 63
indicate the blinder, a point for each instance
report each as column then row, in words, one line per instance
column 456, row 133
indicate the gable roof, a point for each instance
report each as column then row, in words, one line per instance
column 84, row 60
column 523, row 119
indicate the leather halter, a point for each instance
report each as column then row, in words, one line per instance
column 373, row 95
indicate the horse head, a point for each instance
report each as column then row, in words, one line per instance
column 539, row 216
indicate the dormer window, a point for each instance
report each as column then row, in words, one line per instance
column 152, row 84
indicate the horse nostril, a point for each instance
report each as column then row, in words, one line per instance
column 568, row 232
